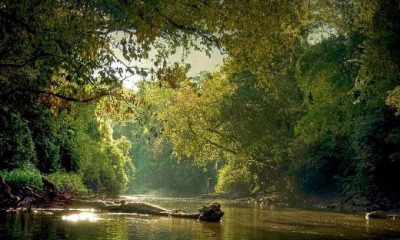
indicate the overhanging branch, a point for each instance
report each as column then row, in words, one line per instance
column 209, row 140
column 38, row 55
column 67, row 98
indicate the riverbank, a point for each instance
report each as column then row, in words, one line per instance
column 330, row 202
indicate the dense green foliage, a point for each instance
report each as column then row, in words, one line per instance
column 156, row 168
column 27, row 175
column 307, row 100
column 57, row 56
column 71, row 182
column 311, row 116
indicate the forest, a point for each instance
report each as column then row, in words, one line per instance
column 306, row 102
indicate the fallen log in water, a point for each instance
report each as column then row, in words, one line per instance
column 394, row 214
column 210, row 213
column 54, row 197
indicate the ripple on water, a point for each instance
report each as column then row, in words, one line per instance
column 241, row 221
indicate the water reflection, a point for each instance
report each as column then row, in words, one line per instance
column 367, row 226
column 241, row 221
column 211, row 229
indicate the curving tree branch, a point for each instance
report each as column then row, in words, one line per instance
column 67, row 98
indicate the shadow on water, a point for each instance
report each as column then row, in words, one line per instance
column 241, row 221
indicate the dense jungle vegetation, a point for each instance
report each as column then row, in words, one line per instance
column 306, row 102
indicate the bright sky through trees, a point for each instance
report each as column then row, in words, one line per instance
column 305, row 101
column 198, row 60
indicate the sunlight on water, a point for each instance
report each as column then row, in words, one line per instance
column 131, row 197
column 137, row 197
column 82, row 216
column 241, row 221
column 82, row 209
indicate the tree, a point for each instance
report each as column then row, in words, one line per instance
column 326, row 74
column 57, row 53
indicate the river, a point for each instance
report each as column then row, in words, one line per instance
column 241, row 221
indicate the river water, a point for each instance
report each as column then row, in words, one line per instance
column 241, row 221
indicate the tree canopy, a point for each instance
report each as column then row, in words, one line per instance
column 307, row 100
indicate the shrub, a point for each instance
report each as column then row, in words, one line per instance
column 24, row 176
column 234, row 180
column 71, row 182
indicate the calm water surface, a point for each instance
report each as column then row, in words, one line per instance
column 241, row 221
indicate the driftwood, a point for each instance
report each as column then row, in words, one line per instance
column 54, row 196
column 34, row 194
column 5, row 191
column 394, row 214
column 210, row 213
column 28, row 196
column 52, row 189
